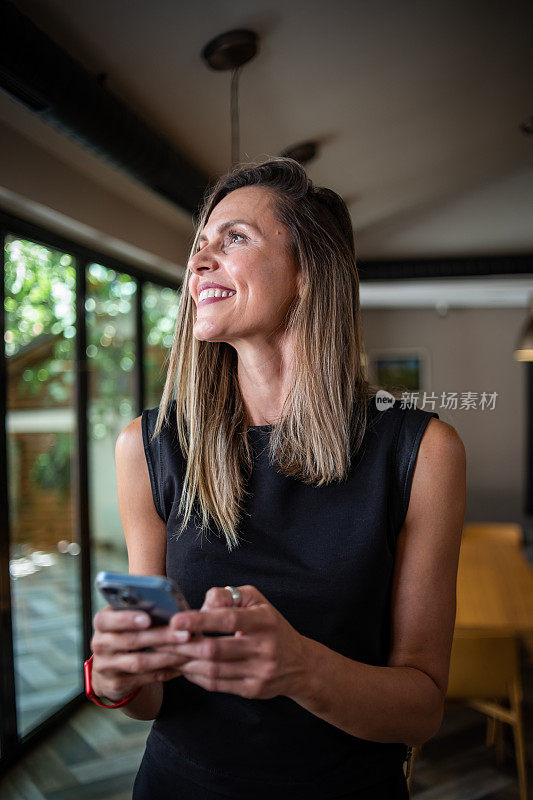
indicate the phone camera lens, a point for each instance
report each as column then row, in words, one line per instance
column 128, row 598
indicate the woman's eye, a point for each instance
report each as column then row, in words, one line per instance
column 231, row 234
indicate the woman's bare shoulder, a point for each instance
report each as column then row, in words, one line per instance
column 442, row 438
column 130, row 441
column 144, row 529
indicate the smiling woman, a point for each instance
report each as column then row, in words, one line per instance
column 268, row 469
column 287, row 250
column 258, row 266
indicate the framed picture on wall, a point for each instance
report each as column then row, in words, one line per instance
column 400, row 369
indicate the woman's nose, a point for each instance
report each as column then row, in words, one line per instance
column 202, row 261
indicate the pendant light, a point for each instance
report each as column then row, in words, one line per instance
column 524, row 348
column 230, row 50
column 303, row 152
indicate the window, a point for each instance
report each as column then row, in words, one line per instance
column 111, row 367
column 39, row 337
column 160, row 309
column 81, row 355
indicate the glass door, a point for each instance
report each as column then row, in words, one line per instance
column 40, row 316
column 112, row 362
column 67, row 392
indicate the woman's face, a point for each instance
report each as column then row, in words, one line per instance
column 244, row 250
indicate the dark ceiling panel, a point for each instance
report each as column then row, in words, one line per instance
column 444, row 267
column 42, row 76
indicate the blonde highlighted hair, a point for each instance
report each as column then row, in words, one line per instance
column 325, row 414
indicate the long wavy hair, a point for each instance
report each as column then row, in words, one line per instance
column 325, row 415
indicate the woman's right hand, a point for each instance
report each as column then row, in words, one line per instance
column 117, row 668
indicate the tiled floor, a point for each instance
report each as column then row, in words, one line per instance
column 95, row 756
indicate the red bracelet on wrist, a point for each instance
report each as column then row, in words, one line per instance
column 89, row 691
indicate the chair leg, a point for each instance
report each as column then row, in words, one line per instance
column 491, row 730
column 518, row 733
column 411, row 767
column 520, row 759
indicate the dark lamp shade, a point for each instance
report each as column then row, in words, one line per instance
column 524, row 349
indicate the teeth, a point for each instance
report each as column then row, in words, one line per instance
column 214, row 293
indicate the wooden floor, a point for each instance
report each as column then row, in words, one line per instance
column 95, row 756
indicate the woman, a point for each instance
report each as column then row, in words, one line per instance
column 315, row 533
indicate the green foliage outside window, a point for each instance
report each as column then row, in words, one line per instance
column 40, row 305
column 39, row 302
column 160, row 309
column 51, row 470
column 111, row 356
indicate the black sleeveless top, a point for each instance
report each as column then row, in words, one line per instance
column 324, row 558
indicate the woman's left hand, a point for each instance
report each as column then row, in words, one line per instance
column 262, row 657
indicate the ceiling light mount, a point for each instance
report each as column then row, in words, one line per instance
column 231, row 49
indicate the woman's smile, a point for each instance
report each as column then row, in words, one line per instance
column 213, row 295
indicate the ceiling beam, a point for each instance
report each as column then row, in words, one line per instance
column 444, row 267
column 36, row 72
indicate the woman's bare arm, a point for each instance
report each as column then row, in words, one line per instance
column 145, row 534
column 404, row 701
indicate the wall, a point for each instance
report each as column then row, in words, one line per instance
column 472, row 350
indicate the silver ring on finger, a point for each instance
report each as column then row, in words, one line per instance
column 235, row 594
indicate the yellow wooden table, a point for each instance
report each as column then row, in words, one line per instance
column 494, row 590
column 494, row 599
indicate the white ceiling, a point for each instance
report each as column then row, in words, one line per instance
column 417, row 103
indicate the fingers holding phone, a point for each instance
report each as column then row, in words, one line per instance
column 133, row 644
column 122, row 661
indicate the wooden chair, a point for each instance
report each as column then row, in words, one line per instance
column 409, row 769
column 495, row 531
column 484, row 672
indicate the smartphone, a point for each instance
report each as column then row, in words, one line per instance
column 159, row 597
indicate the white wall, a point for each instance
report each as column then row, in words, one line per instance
column 472, row 350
